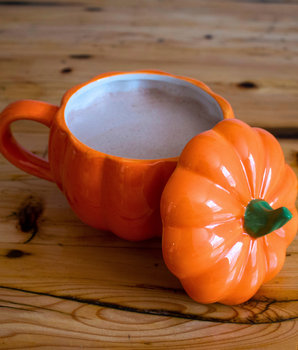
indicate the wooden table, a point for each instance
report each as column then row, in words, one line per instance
column 65, row 285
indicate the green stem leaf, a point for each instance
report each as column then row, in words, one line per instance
column 260, row 218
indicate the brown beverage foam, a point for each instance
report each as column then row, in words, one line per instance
column 142, row 123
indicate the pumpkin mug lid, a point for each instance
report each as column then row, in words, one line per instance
column 228, row 213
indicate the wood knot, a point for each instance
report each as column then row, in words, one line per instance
column 28, row 213
column 15, row 253
column 81, row 56
column 247, row 85
column 66, row 70
column 94, row 9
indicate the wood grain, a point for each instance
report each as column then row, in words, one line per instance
column 224, row 44
column 65, row 285
column 56, row 322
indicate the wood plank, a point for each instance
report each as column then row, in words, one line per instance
column 54, row 322
column 126, row 273
column 226, row 55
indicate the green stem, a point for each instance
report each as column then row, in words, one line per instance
column 260, row 218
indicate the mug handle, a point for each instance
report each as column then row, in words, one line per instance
column 30, row 110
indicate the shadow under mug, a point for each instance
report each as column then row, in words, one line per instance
column 114, row 142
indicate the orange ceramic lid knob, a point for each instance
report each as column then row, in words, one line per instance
column 228, row 213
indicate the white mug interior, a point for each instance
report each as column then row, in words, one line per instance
column 139, row 115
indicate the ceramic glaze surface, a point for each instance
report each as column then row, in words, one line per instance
column 121, row 195
column 220, row 172
column 145, row 116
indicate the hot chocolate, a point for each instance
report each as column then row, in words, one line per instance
column 149, row 119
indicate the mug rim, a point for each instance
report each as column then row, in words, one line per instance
column 226, row 109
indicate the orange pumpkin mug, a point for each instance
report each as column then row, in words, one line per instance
column 114, row 142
